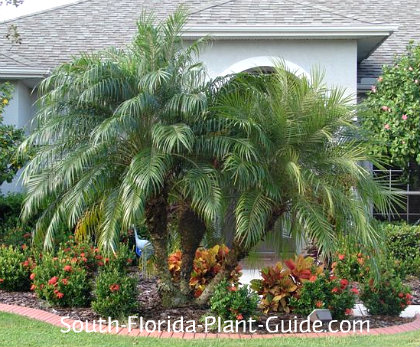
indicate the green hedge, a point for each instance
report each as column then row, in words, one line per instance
column 403, row 245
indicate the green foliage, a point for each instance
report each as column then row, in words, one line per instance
column 12, row 230
column 61, row 281
column 115, row 294
column 292, row 169
column 391, row 112
column 15, row 268
column 101, row 173
column 388, row 296
column 10, row 139
column 403, row 246
column 350, row 265
column 325, row 292
column 231, row 302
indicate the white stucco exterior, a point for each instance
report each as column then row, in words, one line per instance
column 338, row 58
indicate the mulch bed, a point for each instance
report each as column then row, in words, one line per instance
column 414, row 284
column 151, row 310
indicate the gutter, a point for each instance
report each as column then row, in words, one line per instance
column 288, row 32
column 22, row 72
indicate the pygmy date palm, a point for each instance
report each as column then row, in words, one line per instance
column 306, row 164
column 120, row 135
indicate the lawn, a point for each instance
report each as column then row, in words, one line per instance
column 22, row 332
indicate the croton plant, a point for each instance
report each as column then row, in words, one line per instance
column 207, row 263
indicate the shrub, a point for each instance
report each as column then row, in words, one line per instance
column 392, row 110
column 15, row 268
column 121, row 259
column 403, row 246
column 233, row 303
column 388, row 296
column 12, row 230
column 352, row 266
column 115, row 294
column 61, row 281
column 324, row 292
column 207, row 264
column 282, row 281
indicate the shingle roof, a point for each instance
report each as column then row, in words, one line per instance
column 53, row 36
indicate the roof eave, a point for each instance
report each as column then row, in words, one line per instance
column 368, row 37
column 22, row 72
column 291, row 32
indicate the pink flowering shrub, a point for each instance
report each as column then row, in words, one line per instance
column 391, row 111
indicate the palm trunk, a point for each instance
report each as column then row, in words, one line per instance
column 236, row 254
column 157, row 225
column 191, row 229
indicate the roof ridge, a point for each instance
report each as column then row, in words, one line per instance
column 207, row 7
column 17, row 59
column 42, row 11
column 326, row 9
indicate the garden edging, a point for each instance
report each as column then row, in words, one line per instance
column 55, row 320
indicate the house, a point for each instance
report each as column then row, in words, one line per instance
column 349, row 39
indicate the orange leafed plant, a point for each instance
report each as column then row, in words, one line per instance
column 207, row 263
column 282, row 281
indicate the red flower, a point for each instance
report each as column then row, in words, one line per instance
column 319, row 304
column 65, row 281
column 233, row 289
column 129, row 260
column 59, row 295
column 1, row 280
column 239, row 317
column 24, row 246
column 32, row 276
column 408, row 302
column 114, row 287
column 106, row 260
column 99, row 257
column 401, row 295
column 33, row 287
column 344, row 283
column 312, row 278
column 355, row 291
column 408, row 296
column 335, row 290
column 82, row 255
column 348, row 311
column 25, row 263
column 53, row 280
column 67, row 268
column 84, row 260
column 341, row 256
column 100, row 263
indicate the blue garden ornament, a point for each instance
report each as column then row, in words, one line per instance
column 144, row 251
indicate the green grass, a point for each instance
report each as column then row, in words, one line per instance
column 19, row 331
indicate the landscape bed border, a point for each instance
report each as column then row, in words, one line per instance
column 55, row 320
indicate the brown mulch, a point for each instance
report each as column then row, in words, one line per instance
column 414, row 284
column 150, row 309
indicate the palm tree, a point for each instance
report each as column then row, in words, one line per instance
column 121, row 135
column 304, row 168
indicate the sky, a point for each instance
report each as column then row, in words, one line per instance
column 29, row 6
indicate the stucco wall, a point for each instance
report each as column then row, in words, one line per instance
column 338, row 58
